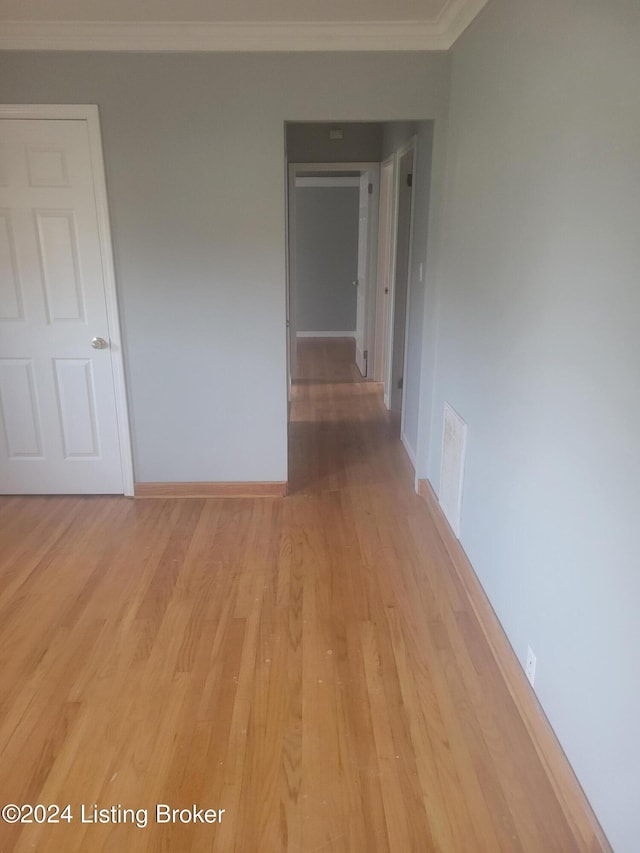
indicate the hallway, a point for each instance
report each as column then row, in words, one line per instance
column 310, row 665
column 340, row 434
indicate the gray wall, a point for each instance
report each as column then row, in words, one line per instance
column 395, row 135
column 326, row 258
column 309, row 142
column 194, row 150
column 539, row 351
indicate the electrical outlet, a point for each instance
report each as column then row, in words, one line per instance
column 530, row 667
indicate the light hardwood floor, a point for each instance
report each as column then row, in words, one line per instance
column 310, row 664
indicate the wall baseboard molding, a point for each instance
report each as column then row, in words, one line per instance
column 210, row 490
column 325, row 334
column 573, row 801
column 408, row 450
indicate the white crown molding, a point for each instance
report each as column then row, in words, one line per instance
column 325, row 334
column 457, row 15
column 237, row 36
column 210, row 36
column 330, row 183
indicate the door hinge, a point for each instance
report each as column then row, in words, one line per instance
column 400, row 383
column 409, row 180
column 370, row 189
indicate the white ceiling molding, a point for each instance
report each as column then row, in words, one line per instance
column 257, row 36
column 457, row 15
column 330, row 183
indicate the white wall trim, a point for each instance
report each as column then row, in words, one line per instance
column 86, row 112
column 90, row 114
column 289, row 330
column 388, row 372
column 225, row 36
column 290, row 228
column 360, row 166
column 327, row 182
column 411, row 145
column 457, row 15
column 383, row 279
column 410, row 451
column 325, row 334
column 372, row 269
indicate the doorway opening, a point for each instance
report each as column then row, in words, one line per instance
column 351, row 192
column 333, row 217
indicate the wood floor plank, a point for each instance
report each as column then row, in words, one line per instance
column 312, row 665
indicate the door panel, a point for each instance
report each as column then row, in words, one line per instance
column 10, row 288
column 19, row 409
column 58, row 424
column 77, row 407
column 58, row 250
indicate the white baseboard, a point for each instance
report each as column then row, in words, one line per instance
column 568, row 791
column 325, row 334
column 410, row 451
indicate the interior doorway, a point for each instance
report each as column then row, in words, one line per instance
column 363, row 177
column 389, row 286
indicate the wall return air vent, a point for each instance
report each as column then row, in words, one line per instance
column 454, row 445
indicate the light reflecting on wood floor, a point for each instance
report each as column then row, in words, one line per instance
column 310, row 665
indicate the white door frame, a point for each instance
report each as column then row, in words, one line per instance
column 90, row 114
column 372, row 240
column 412, row 144
column 290, row 274
column 386, row 279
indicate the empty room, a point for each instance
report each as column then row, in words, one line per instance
column 319, row 417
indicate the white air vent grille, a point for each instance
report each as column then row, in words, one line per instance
column 454, row 444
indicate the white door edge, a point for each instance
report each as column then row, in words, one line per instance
column 372, row 268
column 291, row 276
column 90, row 114
column 388, row 374
column 412, row 144
column 383, row 272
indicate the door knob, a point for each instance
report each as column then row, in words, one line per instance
column 355, row 283
column 99, row 343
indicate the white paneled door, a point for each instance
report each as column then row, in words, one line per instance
column 58, row 417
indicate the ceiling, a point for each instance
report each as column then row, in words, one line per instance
column 206, row 25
